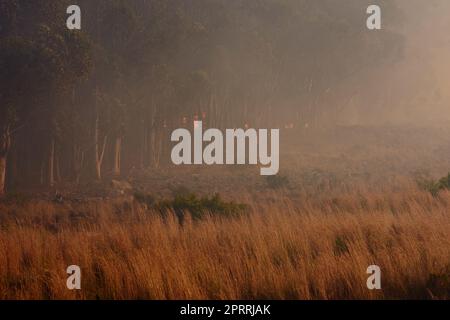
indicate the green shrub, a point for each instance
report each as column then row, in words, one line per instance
column 198, row 207
column 434, row 187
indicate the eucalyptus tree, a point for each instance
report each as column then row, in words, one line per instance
column 40, row 60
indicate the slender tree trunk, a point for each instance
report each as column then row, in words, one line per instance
column 2, row 174
column 58, row 169
column 51, row 164
column 42, row 178
column 157, row 147
column 117, row 156
column 153, row 150
column 143, row 148
column 99, row 150
column 5, row 143
column 98, row 171
column 78, row 163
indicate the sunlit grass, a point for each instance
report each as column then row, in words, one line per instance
column 315, row 249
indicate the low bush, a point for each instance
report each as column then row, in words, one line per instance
column 197, row 207
column 144, row 198
column 434, row 187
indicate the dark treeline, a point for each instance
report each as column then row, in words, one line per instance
column 79, row 105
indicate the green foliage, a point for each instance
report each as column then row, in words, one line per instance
column 16, row 79
column 444, row 183
column 434, row 187
column 41, row 62
column 197, row 207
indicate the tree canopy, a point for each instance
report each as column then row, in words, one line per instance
column 138, row 69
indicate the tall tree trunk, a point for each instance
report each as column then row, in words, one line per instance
column 2, row 174
column 78, row 162
column 58, row 169
column 5, row 143
column 51, row 164
column 99, row 150
column 143, row 147
column 157, row 147
column 117, row 156
column 42, row 176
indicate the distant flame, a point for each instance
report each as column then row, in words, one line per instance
column 289, row 126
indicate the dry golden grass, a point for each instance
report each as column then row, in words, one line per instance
column 315, row 249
